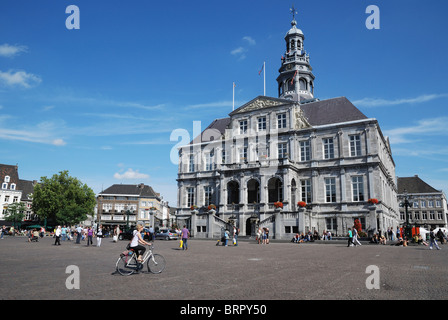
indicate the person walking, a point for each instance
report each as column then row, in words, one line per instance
column 355, row 237
column 64, row 233
column 99, row 236
column 350, row 237
column 236, row 232
column 89, row 236
column 185, row 235
column 78, row 234
column 432, row 239
column 57, row 234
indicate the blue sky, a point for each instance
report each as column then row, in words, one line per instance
column 102, row 101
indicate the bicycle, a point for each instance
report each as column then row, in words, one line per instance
column 128, row 264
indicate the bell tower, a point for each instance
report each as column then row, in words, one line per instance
column 296, row 80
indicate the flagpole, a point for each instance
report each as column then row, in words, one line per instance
column 233, row 101
column 264, row 78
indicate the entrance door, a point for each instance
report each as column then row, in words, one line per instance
column 250, row 227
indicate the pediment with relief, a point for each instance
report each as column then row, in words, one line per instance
column 257, row 104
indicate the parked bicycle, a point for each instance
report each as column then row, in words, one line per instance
column 128, row 264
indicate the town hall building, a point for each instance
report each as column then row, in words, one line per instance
column 292, row 164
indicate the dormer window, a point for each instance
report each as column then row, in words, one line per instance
column 13, row 186
column 7, row 179
column 4, row 185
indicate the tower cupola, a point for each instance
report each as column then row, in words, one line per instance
column 296, row 80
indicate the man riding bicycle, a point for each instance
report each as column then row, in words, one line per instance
column 137, row 242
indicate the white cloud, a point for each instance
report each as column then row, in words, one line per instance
column 431, row 127
column 216, row 104
column 131, row 174
column 19, row 78
column 10, row 51
column 59, row 142
column 371, row 102
column 239, row 52
column 250, row 40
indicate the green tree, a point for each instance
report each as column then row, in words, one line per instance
column 15, row 213
column 63, row 199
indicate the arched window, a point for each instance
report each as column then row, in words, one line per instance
column 290, row 85
column 275, row 190
column 233, row 192
column 253, row 191
column 312, row 87
column 302, row 83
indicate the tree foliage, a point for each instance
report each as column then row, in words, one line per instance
column 15, row 212
column 63, row 199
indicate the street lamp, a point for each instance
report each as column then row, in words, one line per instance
column 407, row 226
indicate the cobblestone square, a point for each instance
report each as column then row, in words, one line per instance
column 277, row 271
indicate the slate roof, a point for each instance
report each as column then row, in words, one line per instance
column 330, row 111
column 27, row 187
column 11, row 171
column 414, row 185
column 137, row 190
column 213, row 131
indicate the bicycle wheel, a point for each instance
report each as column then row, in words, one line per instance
column 156, row 264
column 126, row 265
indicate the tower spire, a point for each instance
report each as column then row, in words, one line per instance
column 296, row 80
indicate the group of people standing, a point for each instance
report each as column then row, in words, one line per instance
column 81, row 234
column 262, row 236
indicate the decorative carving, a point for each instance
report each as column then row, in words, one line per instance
column 260, row 104
column 301, row 121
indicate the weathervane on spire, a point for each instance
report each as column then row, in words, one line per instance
column 293, row 12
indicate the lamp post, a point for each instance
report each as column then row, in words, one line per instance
column 407, row 226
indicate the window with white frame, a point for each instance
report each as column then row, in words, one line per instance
column 305, row 193
column 431, row 204
column 209, row 161
column 13, row 186
column 415, row 204
column 358, row 188
column 282, row 150
column 355, row 145
column 262, row 123
column 425, row 215
column 190, row 196
column 243, row 154
column 432, row 215
column 281, row 120
column 7, row 179
column 438, row 204
column 4, row 185
column 208, row 195
column 191, row 163
column 328, row 148
column 330, row 190
column 243, row 126
column 439, row 215
column 305, row 151
column 423, row 204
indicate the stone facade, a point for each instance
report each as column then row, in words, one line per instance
column 290, row 149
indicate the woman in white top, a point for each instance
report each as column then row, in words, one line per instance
column 137, row 241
